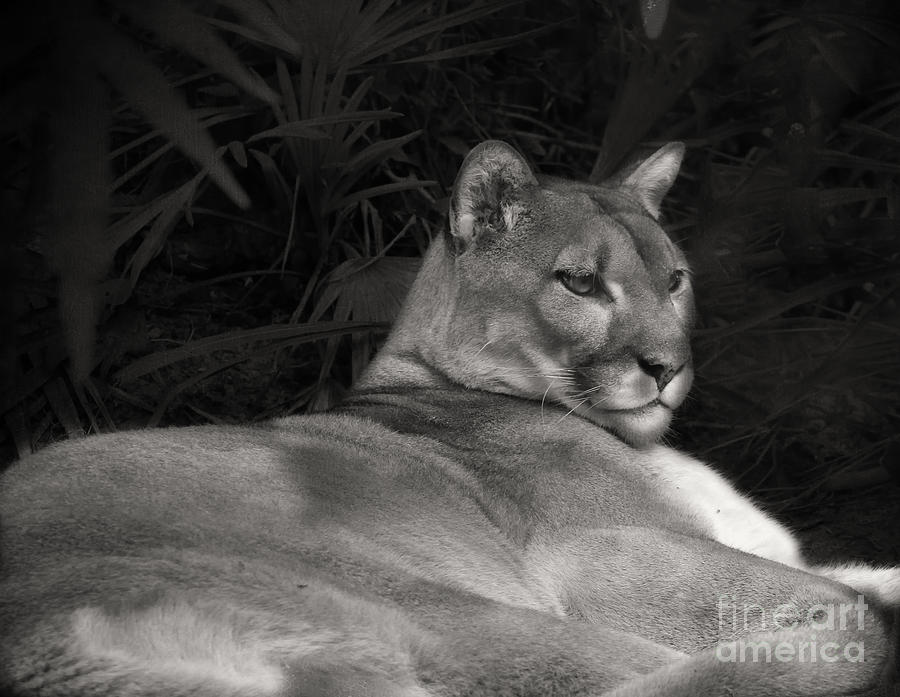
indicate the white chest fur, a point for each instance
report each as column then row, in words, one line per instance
column 729, row 517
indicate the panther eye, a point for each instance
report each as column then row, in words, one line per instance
column 581, row 283
column 676, row 280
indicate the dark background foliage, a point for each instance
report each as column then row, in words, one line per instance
column 212, row 209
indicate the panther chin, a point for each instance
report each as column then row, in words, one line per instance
column 641, row 426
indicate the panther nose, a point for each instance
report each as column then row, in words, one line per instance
column 660, row 370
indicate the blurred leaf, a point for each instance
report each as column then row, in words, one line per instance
column 262, row 25
column 365, row 289
column 829, row 50
column 884, row 32
column 829, row 198
column 238, row 152
column 307, row 128
column 358, row 165
column 209, row 117
column 126, row 228
column 487, row 46
column 63, row 407
column 177, row 26
column 276, row 183
column 339, row 131
column 872, row 132
column 373, row 191
column 169, row 214
column 80, row 252
column 238, row 340
column 368, row 288
column 380, row 39
column 836, row 158
column 145, row 87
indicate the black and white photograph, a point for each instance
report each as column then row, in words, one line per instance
column 450, row 348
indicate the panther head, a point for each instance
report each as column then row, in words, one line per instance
column 557, row 291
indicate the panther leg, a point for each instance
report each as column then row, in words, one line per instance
column 788, row 663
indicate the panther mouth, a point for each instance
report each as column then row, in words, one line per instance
column 639, row 411
column 638, row 426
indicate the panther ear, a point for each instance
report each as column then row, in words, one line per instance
column 486, row 194
column 654, row 176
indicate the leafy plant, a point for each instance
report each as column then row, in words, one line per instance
column 306, row 131
column 85, row 50
column 345, row 125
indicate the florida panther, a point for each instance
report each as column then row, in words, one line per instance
column 489, row 513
